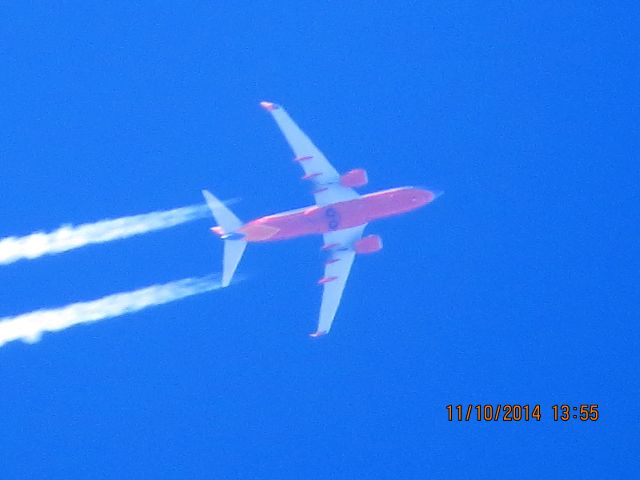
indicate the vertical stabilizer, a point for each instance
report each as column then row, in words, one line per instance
column 234, row 243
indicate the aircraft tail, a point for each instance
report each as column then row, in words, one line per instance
column 234, row 243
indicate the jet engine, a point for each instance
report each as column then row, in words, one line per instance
column 355, row 178
column 368, row 244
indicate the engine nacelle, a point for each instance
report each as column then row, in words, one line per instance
column 368, row 244
column 355, row 178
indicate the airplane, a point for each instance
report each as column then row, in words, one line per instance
column 340, row 215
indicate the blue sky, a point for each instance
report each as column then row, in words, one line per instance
column 517, row 286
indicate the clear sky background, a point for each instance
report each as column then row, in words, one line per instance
column 519, row 285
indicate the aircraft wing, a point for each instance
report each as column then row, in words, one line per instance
column 317, row 169
column 336, row 272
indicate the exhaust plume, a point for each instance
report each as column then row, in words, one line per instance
column 29, row 327
column 69, row 237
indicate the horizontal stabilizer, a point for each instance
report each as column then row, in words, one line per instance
column 234, row 243
column 224, row 217
column 233, row 250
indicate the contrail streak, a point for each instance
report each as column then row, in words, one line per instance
column 29, row 327
column 69, row 237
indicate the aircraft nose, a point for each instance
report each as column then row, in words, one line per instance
column 435, row 194
column 422, row 196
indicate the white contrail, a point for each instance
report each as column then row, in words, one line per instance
column 69, row 237
column 29, row 327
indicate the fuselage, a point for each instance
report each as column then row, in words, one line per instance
column 316, row 220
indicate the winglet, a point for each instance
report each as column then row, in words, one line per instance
column 269, row 106
column 318, row 334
